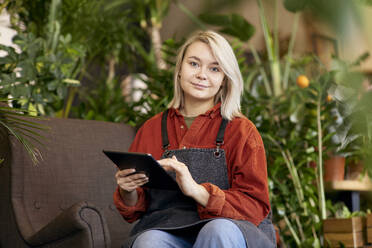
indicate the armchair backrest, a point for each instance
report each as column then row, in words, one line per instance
column 73, row 169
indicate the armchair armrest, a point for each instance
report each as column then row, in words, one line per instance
column 81, row 219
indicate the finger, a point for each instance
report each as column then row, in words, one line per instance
column 164, row 161
column 145, row 178
column 142, row 182
column 167, row 161
column 170, row 164
column 132, row 179
column 124, row 173
column 175, row 166
column 137, row 176
column 131, row 185
column 175, row 161
column 134, row 184
column 178, row 165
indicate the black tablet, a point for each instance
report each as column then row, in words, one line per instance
column 141, row 162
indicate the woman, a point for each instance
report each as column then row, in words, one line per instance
column 214, row 152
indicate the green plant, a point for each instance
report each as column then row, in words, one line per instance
column 108, row 32
column 353, row 128
column 340, row 210
column 293, row 127
column 38, row 78
column 39, row 75
column 107, row 101
column 293, row 122
column 153, row 61
column 141, row 22
column 26, row 131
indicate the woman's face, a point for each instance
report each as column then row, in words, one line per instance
column 200, row 76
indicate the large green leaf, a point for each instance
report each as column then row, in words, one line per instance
column 234, row 25
column 363, row 57
column 215, row 19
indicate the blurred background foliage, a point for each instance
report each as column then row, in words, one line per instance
column 105, row 60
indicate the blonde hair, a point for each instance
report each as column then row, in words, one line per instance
column 232, row 88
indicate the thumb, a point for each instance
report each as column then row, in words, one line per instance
column 174, row 157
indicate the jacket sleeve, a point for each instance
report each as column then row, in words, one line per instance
column 248, row 197
column 132, row 213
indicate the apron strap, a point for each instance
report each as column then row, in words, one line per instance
column 220, row 135
column 221, row 132
column 164, row 132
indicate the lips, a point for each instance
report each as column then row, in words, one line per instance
column 198, row 85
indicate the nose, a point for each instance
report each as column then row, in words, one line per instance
column 201, row 74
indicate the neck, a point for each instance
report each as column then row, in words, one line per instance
column 193, row 108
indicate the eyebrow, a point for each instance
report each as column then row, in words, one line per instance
column 196, row 58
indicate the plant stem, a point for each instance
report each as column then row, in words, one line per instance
column 294, row 234
column 270, row 47
column 315, row 235
column 276, row 32
column 111, row 72
column 262, row 71
column 321, row 194
column 297, row 179
column 290, row 50
column 53, row 26
column 70, row 99
column 154, row 32
column 275, row 72
column 300, row 229
column 266, row 31
column 293, row 172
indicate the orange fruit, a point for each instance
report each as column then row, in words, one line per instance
column 302, row 81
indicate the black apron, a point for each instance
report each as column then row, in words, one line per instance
column 173, row 211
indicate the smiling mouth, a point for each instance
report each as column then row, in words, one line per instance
column 199, row 85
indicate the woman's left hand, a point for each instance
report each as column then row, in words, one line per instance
column 185, row 181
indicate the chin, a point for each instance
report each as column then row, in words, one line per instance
column 201, row 98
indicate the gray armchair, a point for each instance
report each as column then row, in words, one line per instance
column 65, row 200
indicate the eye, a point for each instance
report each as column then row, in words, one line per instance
column 215, row 69
column 193, row 64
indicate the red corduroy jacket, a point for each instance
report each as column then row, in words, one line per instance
column 246, row 199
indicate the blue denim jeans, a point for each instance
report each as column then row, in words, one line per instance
column 217, row 233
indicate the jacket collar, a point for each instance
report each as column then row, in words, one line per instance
column 212, row 112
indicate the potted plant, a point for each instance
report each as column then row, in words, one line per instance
column 345, row 228
column 353, row 126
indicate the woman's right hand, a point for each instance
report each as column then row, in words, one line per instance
column 128, row 181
